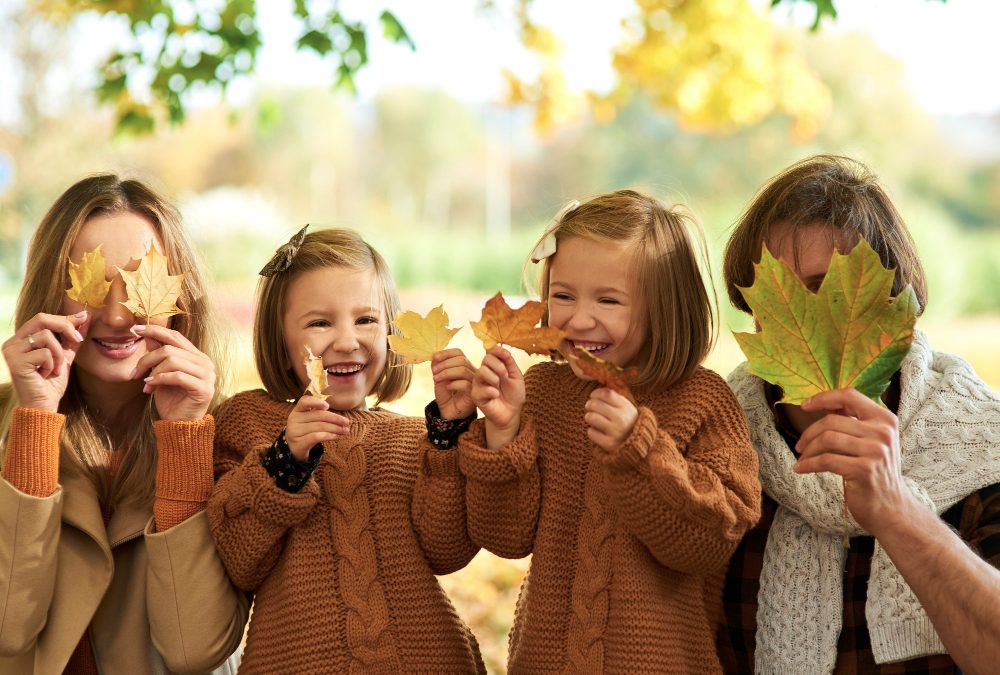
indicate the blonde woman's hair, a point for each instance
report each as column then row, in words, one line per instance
column 319, row 249
column 676, row 295
column 84, row 439
column 837, row 192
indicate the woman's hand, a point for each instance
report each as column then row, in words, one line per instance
column 498, row 390
column 180, row 377
column 312, row 422
column 610, row 418
column 453, row 375
column 39, row 356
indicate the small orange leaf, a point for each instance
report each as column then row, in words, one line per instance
column 422, row 336
column 317, row 374
column 516, row 328
column 87, row 283
column 604, row 372
column 152, row 292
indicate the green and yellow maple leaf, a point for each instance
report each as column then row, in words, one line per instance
column 88, row 285
column 851, row 333
column 152, row 292
column 422, row 336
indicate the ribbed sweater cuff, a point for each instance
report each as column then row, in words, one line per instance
column 441, row 462
column 507, row 463
column 631, row 455
column 184, row 468
column 31, row 463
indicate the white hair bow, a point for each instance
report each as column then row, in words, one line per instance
column 547, row 245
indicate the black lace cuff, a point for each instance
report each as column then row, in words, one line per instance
column 289, row 473
column 441, row 432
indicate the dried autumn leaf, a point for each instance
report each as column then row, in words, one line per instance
column 422, row 336
column 317, row 374
column 851, row 333
column 152, row 292
column 604, row 372
column 87, row 283
column 516, row 328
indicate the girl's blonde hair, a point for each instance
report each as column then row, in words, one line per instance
column 323, row 248
column 677, row 297
column 84, row 440
column 831, row 190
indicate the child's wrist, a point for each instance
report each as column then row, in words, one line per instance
column 497, row 436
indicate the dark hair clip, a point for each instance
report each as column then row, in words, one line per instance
column 282, row 258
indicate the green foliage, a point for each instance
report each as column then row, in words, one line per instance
column 850, row 333
column 180, row 46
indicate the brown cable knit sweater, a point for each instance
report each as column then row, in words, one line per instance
column 343, row 582
column 629, row 548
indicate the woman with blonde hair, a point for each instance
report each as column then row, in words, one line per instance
column 106, row 561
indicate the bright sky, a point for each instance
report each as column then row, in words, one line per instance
column 949, row 49
column 943, row 45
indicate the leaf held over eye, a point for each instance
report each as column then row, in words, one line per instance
column 87, row 283
column 516, row 328
column 422, row 336
column 604, row 372
column 152, row 292
column 317, row 374
column 851, row 333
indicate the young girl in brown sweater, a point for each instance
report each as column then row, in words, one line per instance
column 313, row 508
column 630, row 511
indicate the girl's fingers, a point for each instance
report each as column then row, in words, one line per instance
column 321, row 416
column 169, row 358
column 46, row 341
column 67, row 326
column 312, row 439
column 846, row 401
column 600, row 439
column 310, row 402
column 488, row 376
column 315, row 427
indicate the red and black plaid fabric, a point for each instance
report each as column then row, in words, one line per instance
column 977, row 520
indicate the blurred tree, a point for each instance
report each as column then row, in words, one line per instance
column 181, row 45
column 718, row 64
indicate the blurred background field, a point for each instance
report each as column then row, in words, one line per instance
column 451, row 157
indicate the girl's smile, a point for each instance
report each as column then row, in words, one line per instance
column 337, row 313
column 591, row 298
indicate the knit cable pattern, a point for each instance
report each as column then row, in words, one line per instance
column 949, row 425
column 591, row 586
column 372, row 647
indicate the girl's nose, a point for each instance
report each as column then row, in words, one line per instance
column 346, row 340
column 580, row 319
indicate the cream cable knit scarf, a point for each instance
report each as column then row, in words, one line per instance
column 949, row 423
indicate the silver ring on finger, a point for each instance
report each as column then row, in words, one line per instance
column 31, row 341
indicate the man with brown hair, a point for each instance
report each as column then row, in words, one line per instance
column 918, row 589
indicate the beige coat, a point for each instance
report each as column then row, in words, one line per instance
column 156, row 602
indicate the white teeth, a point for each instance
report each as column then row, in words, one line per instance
column 344, row 370
column 116, row 345
column 590, row 346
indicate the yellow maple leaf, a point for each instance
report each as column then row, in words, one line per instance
column 422, row 336
column 516, row 327
column 317, row 374
column 87, row 283
column 152, row 292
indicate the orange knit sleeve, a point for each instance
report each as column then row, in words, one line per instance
column 686, row 485
column 438, row 510
column 183, row 470
column 31, row 462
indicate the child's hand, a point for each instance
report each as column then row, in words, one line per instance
column 453, row 384
column 498, row 390
column 610, row 418
column 311, row 422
